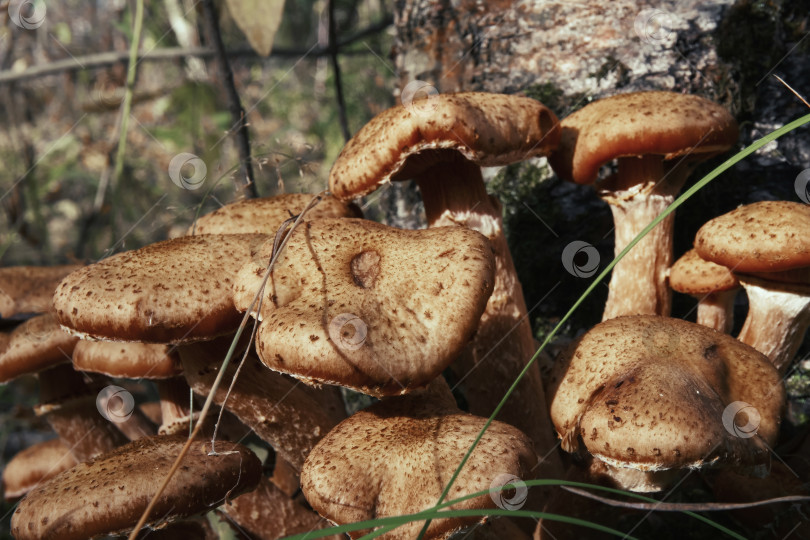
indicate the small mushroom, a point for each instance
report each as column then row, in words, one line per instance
column 767, row 247
column 369, row 307
column 108, row 494
column 26, row 290
column 658, row 138
column 266, row 214
column 443, row 148
column 713, row 285
column 35, row 465
column 396, row 456
column 172, row 291
column 648, row 396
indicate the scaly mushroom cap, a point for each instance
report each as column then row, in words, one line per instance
column 397, row 456
column 127, row 360
column 693, row 275
column 767, row 236
column 35, row 465
column 640, row 123
column 109, row 493
column 654, row 393
column 488, row 129
column 172, row 291
column 36, row 344
column 29, row 289
column 265, row 215
column 367, row 306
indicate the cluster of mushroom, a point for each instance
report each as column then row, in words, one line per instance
column 351, row 303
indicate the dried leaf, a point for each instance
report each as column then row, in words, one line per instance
column 258, row 20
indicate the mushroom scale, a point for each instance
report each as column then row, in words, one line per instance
column 652, row 394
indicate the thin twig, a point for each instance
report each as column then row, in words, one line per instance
column 795, row 93
column 209, row 400
column 98, row 60
column 246, row 185
column 333, row 57
column 683, row 507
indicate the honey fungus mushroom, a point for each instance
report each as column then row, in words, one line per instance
column 713, row 285
column 647, row 396
column 396, row 457
column 109, row 493
column 172, row 291
column 658, row 138
column 26, row 290
column 442, row 144
column 369, row 307
column 767, row 246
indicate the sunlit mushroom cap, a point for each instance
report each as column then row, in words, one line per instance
column 654, row 393
column 29, row 289
column 488, row 129
column 693, row 275
column 371, row 307
column 109, row 493
column 35, row 465
column 37, row 344
column 131, row 360
column 640, row 123
column 397, row 456
column 265, row 215
column 767, row 236
column 171, row 291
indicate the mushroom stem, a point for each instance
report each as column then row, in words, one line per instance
column 641, row 190
column 777, row 320
column 716, row 310
column 503, row 342
column 174, row 405
column 70, row 408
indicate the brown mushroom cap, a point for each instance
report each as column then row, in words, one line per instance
column 171, row 291
column 767, row 236
column 488, row 129
column 109, row 493
column 693, row 275
column 29, row 289
column 34, row 465
column 36, row 344
column 371, row 307
column 265, row 215
column 653, row 393
column 131, row 360
column 397, row 456
column 640, row 123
